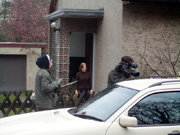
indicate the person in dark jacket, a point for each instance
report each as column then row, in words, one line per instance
column 84, row 82
column 44, row 85
column 118, row 73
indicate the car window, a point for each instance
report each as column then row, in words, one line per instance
column 160, row 108
column 104, row 104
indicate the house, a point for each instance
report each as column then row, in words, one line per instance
column 17, row 65
column 100, row 32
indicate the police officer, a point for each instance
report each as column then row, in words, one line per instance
column 116, row 74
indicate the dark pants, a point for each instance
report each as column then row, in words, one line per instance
column 86, row 95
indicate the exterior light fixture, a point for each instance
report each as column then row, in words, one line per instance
column 53, row 26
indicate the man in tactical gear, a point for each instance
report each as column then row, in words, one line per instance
column 122, row 71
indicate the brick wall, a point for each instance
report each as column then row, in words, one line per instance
column 68, row 25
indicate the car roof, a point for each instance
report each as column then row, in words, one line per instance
column 141, row 84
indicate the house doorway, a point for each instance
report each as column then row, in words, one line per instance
column 81, row 50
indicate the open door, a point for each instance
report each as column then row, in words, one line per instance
column 89, row 51
column 81, row 50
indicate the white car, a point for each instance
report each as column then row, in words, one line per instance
column 134, row 107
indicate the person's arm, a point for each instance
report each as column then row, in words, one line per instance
column 110, row 78
column 118, row 77
column 115, row 77
column 77, row 78
column 47, row 84
column 90, row 84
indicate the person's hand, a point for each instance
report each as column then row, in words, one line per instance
column 76, row 92
column 131, row 76
column 91, row 92
column 75, row 95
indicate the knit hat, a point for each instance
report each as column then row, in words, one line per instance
column 43, row 61
column 127, row 59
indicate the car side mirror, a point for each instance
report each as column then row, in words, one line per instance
column 126, row 121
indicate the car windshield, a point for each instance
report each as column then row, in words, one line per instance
column 106, row 103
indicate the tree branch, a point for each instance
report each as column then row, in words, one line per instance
column 149, row 65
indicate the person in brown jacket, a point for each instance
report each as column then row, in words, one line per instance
column 84, row 82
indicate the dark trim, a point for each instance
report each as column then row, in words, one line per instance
column 76, row 13
column 52, row 6
column 23, row 45
column 129, row 2
column 159, row 1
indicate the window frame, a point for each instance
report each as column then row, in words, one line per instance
column 147, row 94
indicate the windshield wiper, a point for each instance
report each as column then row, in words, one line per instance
column 87, row 117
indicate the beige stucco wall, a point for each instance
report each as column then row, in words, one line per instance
column 108, row 36
column 149, row 30
column 148, row 33
column 31, row 54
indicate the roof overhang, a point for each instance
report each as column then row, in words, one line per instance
column 162, row 1
column 154, row 1
column 76, row 13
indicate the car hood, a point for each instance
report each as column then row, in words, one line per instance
column 53, row 122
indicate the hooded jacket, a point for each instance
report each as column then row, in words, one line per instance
column 115, row 76
column 44, row 85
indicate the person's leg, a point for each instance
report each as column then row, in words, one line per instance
column 75, row 95
column 87, row 94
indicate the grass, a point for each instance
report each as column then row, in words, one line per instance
column 12, row 98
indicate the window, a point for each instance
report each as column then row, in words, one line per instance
column 160, row 108
column 106, row 103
